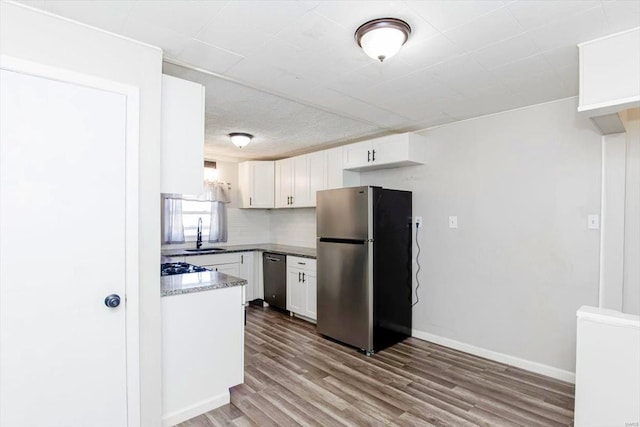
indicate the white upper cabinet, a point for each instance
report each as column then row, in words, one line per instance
column 317, row 175
column 609, row 73
column 390, row 151
column 337, row 177
column 298, row 179
column 284, row 183
column 357, row 155
column 256, row 184
column 182, row 136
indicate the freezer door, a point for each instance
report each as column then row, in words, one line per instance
column 345, row 292
column 344, row 213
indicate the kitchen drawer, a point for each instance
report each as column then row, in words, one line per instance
column 301, row 263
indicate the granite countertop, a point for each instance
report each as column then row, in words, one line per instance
column 264, row 247
column 197, row 282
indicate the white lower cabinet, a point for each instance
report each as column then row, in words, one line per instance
column 195, row 382
column 238, row 264
column 301, row 286
column 249, row 272
column 224, row 263
column 230, row 269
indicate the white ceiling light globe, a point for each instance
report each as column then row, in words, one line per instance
column 382, row 43
column 382, row 38
column 240, row 139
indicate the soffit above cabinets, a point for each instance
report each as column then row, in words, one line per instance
column 464, row 58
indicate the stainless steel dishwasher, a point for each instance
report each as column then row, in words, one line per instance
column 275, row 279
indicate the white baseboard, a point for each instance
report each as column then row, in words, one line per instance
column 527, row 365
column 201, row 407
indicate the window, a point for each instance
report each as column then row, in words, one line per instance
column 180, row 220
column 191, row 211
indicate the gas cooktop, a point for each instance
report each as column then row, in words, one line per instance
column 171, row 268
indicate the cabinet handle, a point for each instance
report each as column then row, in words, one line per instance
column 302, row 263
column 299, row 279
column 250, row 201
column 303, row 279
column 241, row 259
column 368, row 156
column 373, row 159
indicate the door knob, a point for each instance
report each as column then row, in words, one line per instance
column 112, row 301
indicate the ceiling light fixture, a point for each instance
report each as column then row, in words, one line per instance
column 240, row 139
column 382, row 38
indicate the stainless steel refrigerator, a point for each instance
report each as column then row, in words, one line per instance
column 364, row 266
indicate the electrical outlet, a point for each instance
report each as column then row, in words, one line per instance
column 453, row 222
column 418, row 222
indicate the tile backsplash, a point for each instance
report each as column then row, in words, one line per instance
column 295, row 227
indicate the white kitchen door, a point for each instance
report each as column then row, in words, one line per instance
column 63, row 359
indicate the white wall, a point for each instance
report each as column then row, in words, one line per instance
column 57, row 42
column 631, row 274
column 612, row 235
column 522, row 261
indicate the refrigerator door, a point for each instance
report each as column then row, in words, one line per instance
column 344, row 213
column 345, row 292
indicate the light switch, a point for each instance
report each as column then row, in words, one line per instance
column 593, row 222
column 453, row 222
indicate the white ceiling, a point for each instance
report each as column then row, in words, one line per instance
column 464, row 59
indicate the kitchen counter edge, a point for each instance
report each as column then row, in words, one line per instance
column 298, row 251
column 181, row 284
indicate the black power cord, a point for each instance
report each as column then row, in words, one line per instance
column 418, row 264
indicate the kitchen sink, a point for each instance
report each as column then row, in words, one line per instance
column 204, row 250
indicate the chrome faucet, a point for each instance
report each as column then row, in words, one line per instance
column 199, row 234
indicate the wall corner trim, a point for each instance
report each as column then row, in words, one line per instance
column 525, row 364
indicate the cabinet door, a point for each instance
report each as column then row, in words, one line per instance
column 356, row 155
column 262, row 184
column 335, row 175
column 283, row 183
column 230, row 269
column 310, row 294
column 300, row 181
column 317, row 176
column 182, row 170
column 244, row 185
column 389, row 149
column 333, row 167
column 295, row 291
column 247, row 272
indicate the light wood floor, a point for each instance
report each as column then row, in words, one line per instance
column 293, row 376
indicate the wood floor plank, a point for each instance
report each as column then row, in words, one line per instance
column 296, row 377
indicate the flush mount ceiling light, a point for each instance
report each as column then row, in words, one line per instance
column 382, row 38
column 240, row 139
